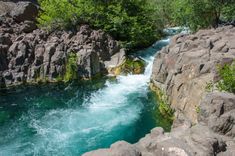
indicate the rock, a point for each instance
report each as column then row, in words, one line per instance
column 204, row 122
column 189, row 65
column 120, row 148
column 28, row 26
column 116, row 59
column 33, row 55
column 133, row 65
column 6, row 7
column 8, row 78
column 3, row 57
column 24, row 11
column 218, row 111
column 88, row 64
column 5, row 39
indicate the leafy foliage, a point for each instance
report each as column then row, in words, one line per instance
column 227, row 82
column 136, row 23
column 133, row 22
column 202, row 13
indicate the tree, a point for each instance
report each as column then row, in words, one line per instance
column 202, row 13
column 133, row 22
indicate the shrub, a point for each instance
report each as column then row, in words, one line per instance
column 227, row 82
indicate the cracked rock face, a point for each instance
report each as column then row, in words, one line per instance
column 204, row 122
column 183, row 69
column 29, row 54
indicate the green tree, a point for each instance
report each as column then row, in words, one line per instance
column 202, row 13
column 133, row 22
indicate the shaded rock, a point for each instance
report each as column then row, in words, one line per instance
column 33, row 55
column 88, row 64
column 24, row 11
column 28, row 26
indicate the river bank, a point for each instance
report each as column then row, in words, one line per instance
column 204, row 121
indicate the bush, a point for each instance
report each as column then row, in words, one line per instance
column 227, row 82
column 133, row 22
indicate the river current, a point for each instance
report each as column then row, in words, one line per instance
column 68, row 120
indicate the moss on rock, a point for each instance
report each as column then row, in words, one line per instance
column 130, row 65
column 71, row 68
column 163, row 105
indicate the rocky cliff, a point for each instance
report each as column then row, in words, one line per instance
column 204, row 121
column 30, row 55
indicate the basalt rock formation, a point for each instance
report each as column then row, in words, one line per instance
column 204, row 123
column 29, row 54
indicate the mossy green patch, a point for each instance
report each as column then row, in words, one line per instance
column 71, row 68
column 163, row 105
column 134, row 66
column 227, row 79
column 130, row 66
column 227, row 75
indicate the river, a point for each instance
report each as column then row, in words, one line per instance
column 68, row 120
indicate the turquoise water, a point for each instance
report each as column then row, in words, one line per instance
column 68, row 120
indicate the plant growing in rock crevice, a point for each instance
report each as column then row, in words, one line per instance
column 227, row 79
column 198, row 109
column 227, row 75
column 163, row 106
column 209, row 86
column 71, row 67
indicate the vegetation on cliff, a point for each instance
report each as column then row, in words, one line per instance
column 227, row 82
column 163, row 105
column 136, row 23
column 227, row 79
column 133, row 22
column 202, row 13
column 71, row 68
column 196, row 14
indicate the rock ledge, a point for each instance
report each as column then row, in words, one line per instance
column 204, row 121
